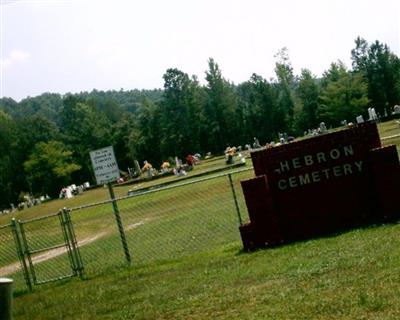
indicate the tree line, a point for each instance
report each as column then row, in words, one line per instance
column 45, row 140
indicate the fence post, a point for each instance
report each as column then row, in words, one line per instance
column 26, row 252
column 6, row 299
column 78, row 265
column 21, row 252
column 119, row 223
column 63, row 225
column 235, row 199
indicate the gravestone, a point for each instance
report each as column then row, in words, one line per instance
column 137, row 167
column 322, row 127
column 360, row 119
column 256, row 143
column 372, row 114
column 320, row 185
column 68, row 192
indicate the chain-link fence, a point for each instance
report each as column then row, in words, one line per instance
column 146, row 227
column 9, row 257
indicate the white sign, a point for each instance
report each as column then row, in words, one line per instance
column 105, row 166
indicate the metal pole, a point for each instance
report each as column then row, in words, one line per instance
column 26, row 252
column 119, row 223
column 6, row 298
column 74, row 243
column 67, row 242
column 235, row 199
column 20, row 252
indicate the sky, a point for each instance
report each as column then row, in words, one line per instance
column 65, row 46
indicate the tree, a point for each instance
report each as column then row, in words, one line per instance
column 30, row 130
column 381, row 69
column 49, row 167
column 308, row 92
column 7, row 162
column 258, row 104
column 286, row 101
column 179, row 114
column 120, row 139
column 220, row 110
column 146, row 134
column 8, row 105
column 344, row 95
column 84, row 129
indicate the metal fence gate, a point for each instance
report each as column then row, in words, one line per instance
column 159, row 224
column 36, row 245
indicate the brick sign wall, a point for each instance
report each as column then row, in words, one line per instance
column 320, row 185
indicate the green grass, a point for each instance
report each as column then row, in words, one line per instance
column 354, row 275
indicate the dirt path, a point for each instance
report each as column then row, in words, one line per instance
column 390, row 137
column 50, row 254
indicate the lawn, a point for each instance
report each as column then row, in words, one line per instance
column 354, row 275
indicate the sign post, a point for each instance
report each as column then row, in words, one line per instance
column 106, row 170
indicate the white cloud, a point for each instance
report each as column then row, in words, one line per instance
column 15, row 57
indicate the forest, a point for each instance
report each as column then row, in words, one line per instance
column 45, row 140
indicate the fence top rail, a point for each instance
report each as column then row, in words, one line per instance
column 40, row 218
column 5, row 226
column 157, row 189
column 85, row 206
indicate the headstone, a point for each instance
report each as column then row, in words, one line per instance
column 68, row 193
column 137, row 167
column 372, row 114
column 281, row 138
column 86, row 185
column 178, row 162
column 322, row 127
column 360, row 119
column 256, row 143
